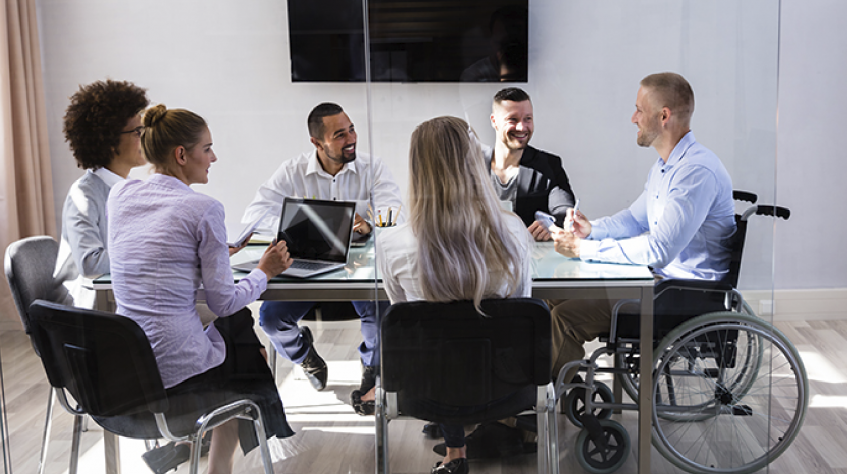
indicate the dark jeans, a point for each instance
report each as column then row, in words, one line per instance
column 279, row 321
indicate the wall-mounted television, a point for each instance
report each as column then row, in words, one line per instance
column 410, row 40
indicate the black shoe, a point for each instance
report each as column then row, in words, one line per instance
column 456, row 466
column 432, row 431
column 491, row 440
column 170, row 456
column 368, row 382
column 313, row 365
column 362, row 407
column 527, row 423
column 164, row 458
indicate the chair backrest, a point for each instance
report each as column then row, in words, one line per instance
column 736, row 242
column 736, row 246
column 452, row 355
column 103, row 360
column 29, row 265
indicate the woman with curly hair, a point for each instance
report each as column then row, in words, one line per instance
column 103, row 126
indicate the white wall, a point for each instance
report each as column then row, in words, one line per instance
column 812, row 162
column 229, row 62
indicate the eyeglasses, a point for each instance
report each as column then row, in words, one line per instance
column 137, row 131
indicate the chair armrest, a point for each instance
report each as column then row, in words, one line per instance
column 700, row 285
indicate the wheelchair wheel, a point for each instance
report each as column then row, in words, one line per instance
column 729, row 394
column 575, row 403
column 752, row 352
column 596, row 460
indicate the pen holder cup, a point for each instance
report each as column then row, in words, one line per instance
column 378, row 229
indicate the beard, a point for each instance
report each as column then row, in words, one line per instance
column 342, row 157
column 649, row 133
column 513, row 143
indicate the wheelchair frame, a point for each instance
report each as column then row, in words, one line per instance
column 730, row 392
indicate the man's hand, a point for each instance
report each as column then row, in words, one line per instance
column 581, row 225
column 360, row 225
column 275, row 260
column 539, row 233
column 566, row 243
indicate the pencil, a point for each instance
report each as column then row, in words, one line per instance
column 388, row 223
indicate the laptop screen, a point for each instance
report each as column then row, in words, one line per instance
column 317, row 230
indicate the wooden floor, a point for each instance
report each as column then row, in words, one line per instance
column 331, row 438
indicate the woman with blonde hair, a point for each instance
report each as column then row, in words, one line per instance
column 165, row 241
column 458, row 243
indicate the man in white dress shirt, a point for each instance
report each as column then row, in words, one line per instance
column 333, row 170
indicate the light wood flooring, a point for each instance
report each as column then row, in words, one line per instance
column 333, row 439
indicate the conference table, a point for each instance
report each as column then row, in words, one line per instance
column 553, row 277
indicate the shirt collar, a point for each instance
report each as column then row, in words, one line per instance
column 679, row 150
column 167, row 181
column 107, row 176
column 314, row 166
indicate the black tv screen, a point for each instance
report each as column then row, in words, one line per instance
column 410, row 40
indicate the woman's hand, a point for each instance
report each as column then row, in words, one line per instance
column 235, row 250
column 275, row 260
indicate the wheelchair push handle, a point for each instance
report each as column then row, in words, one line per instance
column 767, row 210
column 744, row 196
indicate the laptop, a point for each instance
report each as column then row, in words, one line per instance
column 317, row 233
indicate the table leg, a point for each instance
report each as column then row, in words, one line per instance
column 645, row 406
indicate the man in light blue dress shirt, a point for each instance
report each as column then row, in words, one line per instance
column 679, row 225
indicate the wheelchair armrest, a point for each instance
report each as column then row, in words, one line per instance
column 699, row 285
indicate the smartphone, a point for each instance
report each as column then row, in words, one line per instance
column 545, row 219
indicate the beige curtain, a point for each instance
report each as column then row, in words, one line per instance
column 26, row 182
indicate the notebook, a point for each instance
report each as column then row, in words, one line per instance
column 317, row 233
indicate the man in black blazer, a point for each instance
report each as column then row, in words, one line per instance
column 532, row 180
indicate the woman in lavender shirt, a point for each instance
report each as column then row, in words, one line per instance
column 165, row 240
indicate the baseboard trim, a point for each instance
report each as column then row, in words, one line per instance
column 800, row 305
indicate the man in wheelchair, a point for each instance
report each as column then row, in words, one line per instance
column 680, row 225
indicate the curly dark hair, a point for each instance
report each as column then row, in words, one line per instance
column 96, row 116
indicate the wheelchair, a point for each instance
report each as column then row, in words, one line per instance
column 729, row 390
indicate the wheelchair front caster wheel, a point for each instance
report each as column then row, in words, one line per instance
column 597, row 460
column 574, row 403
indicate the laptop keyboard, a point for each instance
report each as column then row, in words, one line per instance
column 301, row 265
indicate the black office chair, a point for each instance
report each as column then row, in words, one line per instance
column 438, row 359
column 105, row 363
column 29, row 264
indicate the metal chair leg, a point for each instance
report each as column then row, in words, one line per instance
column 48, row 426
column 381, row 444
column 75, row 444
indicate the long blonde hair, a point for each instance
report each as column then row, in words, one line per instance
column 464, row 246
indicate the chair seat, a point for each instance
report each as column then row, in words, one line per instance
column 429, row 410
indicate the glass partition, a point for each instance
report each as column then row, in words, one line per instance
column 727, row 390
column 585, row 64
